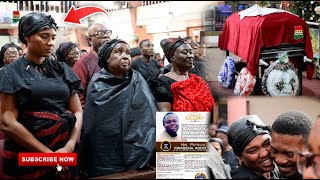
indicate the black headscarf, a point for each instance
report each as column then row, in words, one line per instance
column 104, row 51
column 170, row 46
column 64, row 49
column 34, row 22
column 243, row 130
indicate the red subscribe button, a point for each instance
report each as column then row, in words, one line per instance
column 47, row 159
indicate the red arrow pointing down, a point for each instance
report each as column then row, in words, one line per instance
column 75, row 15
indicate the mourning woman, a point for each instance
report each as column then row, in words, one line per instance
column 178, row 90
column 118, row 133
column 40, row 107
column 68, row 52
column 9, row 53
column 250, row 139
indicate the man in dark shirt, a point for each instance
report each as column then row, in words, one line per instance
column 146, row 65
column 87, row 65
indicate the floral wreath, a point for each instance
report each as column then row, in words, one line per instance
column 281, row 79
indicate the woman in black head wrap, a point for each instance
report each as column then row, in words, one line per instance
column 250, row 139
column 68, row 52
column 178, row 90
column 40, row 107
column 118, row 131
column 9, row 53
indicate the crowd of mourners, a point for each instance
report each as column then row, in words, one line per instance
column 250, row 149
column 102, row 105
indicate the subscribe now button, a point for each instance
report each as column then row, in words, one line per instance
column 47, row 159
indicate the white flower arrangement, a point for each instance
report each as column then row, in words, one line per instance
column 281, row 79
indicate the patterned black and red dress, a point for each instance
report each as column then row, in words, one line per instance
column 43, row 92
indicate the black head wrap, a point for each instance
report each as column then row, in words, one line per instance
column 243, row 130
column 104, row 51
column 33, row 23
column 64, row 49
column 170, row 46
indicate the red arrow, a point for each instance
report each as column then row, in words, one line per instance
column 75, row 15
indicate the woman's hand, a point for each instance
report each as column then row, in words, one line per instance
column 68, row 148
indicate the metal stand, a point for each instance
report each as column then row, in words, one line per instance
column 271, row 54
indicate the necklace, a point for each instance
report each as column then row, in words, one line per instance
column 185, row 75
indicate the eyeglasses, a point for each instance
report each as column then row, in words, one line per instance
column 101, row 34
column 306, row 159
column 12, row 53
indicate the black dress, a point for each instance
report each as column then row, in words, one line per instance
column 42, row 92
column 161, row 88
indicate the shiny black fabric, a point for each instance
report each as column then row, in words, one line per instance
column 33, row 23
column 243, row 130
column 118, row 131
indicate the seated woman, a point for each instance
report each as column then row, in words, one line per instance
column 118, row 133
column 40, row 107
column 68, row 52
column 9, row 53
column 178, row 90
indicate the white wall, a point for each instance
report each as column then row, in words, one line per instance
column 268, row 108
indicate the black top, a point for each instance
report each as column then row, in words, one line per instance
column 231, row 158
column 44, row 87
column 243, row 172
column 161, row 88
column 151, row 70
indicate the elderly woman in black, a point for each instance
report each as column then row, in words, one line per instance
column 9, row 53
column 118, row 131
column 178, row 90
column 40, row 107
column 250, row 139
column 68, row 52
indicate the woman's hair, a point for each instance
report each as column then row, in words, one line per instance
column 105, row 50
column 19, row 48
column 3, row 50
column 135, row 52
column 33, row 23
column 64, row 49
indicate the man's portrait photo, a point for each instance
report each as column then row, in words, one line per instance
column 171, row 125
